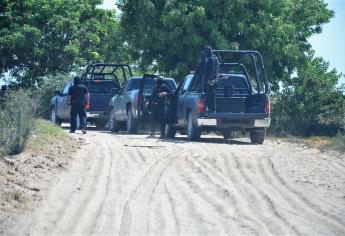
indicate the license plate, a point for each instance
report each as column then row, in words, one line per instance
column 207, row 122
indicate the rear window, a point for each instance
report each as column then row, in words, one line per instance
column 101, row 87
column 150, row 84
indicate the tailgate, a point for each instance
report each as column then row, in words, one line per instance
column 99, row 102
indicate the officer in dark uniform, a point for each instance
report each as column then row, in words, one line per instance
column 210, row 75
column 157, row 100
column 78, row 98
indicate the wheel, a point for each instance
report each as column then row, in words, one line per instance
column 53, row 117
column 193, row 131
column 257, row 136
column 132, row 123
column 100, row 124
column 170, row 131
column 114, row 125
column 230, row 134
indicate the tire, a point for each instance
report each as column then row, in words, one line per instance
column 230, row 134
column 132, row 123
column 53, row 117
column 193, row 132
column 114, row 125
column 170, row 131
column 257, row 136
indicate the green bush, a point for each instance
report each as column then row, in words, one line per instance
column 16, row 121
column 311, row 103
column 45, row 92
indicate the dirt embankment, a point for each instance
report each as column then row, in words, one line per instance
column 26, row 178
column 128, row 185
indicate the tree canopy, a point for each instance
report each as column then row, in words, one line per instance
column 172, row 32
column 38, row 37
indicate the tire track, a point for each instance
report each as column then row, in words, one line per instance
column 336, row 221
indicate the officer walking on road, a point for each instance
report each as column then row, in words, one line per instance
column 157, row 100
column 78, row 98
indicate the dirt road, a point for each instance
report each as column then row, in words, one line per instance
column 129, row 185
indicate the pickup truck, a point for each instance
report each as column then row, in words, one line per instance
column 123, row 106
column 103, row 81
column 241, row 99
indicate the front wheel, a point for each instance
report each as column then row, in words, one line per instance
column 170, row 131
column 257, row 136
column 193, row 131
column 132, row 123
column 53, row 117
column 100, row 124
column 114, row 125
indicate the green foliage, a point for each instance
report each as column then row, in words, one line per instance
column 311, row 103
column 49, row 85
column 40, row 37
column 172, row 33
column 16, row 121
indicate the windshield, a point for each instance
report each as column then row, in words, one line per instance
column 101, row 86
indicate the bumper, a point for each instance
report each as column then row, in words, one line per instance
column 232, row 123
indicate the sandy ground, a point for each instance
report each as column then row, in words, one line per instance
column 129, row 185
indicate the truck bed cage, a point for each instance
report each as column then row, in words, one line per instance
column 255, row 57
column 91, row 70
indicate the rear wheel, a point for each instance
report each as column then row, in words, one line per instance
column 170, row 131
column 193, row 131
column 132, row 123
column 114, row 125
column 53, row 117
column 257, row 136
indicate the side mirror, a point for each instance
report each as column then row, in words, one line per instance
column 114, row 91
column 57, row 93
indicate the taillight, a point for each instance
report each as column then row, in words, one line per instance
column 268, row 105
column 201, row 105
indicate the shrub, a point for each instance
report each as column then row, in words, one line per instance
column 45, row 92
column 16, row 121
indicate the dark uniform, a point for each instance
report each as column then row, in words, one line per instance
column 211, row 74
column 78, row 94
column 157, row 107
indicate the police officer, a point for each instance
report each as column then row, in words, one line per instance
column 78, row 98
column 157, row 100
column 210, row 75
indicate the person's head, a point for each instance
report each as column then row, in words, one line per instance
column 76, row 80
column 202, row 55
column 208, row 51
column 159, row 80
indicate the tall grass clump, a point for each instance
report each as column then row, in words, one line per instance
column 16, row 121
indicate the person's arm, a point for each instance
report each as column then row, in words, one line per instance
column 165, row 92
column 69, row 96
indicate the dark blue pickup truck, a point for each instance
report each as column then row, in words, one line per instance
column 103, row 80
column 241, row 99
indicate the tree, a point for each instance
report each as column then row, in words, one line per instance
column 310, row 103
column 40, row 37
column 172, row 32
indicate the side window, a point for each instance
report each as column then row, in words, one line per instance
column 186, row 83
column 66, row 89
column 124, row 87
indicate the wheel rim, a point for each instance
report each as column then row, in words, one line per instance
column 111, row 120
column 53, row 116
